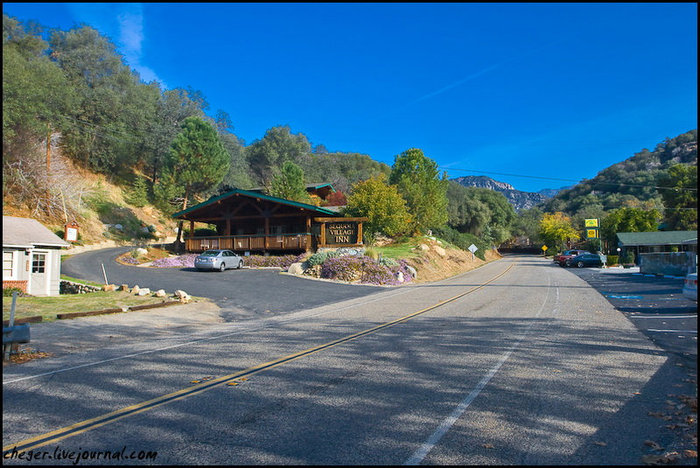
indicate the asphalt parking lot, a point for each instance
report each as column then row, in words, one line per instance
column 241, row 294
column 655, row 304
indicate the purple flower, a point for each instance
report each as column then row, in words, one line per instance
column 186, row 260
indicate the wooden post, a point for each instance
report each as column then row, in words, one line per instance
column 359, row 232
column 323, row 234
column 267, row 230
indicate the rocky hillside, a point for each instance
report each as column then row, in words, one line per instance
column 519, row 199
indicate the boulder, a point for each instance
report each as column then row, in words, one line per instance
column 412, row 271
column 136, row 289
column 296, row 269
column 141, row 251
column 144, row 292
column 124, row 287
column 109, row 287
column 440, row 251
column 399, row 277
column 424, row 247
column 182, row 296
column 161, row 293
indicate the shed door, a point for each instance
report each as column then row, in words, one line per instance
column 39, row 274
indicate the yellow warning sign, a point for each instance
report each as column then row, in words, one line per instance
column 544, row 247
column 591, row 223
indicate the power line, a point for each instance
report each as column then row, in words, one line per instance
column 589, row 181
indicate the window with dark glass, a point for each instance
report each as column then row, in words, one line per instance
column 38, row 263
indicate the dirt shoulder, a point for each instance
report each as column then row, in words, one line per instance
column 82, row 334
column 437, row 261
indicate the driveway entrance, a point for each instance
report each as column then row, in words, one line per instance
column 246, row 293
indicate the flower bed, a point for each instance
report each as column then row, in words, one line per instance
column 186, row 260
column 281, row 261
column 365, row 270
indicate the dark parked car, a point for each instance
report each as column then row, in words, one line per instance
column 217, row 260
column 585, row 260
column 563, row 257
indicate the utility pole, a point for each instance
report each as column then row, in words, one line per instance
column 48, row 151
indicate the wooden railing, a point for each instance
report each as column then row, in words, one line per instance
column 279, row 242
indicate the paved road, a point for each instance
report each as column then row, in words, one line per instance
column 655, row 304
column 516, row 362
column 241, row 294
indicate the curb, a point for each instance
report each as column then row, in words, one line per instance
column 33, row 319
column 116, row 310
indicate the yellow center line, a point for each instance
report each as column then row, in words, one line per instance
column 93, row 423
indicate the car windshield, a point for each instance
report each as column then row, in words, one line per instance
column 210, row 253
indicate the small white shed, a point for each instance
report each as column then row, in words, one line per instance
column 31, row 256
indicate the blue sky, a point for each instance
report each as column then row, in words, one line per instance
column 536, row 91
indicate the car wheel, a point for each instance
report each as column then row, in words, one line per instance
column 222, row 267
column 240, row 264
column 579, row 264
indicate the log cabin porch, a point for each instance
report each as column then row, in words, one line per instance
column 248, row 221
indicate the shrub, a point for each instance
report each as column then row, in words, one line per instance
column 281, row 261
column 462, row 240
column 365, row 269
column 613, row 259
column 317, row 259
column 388, row 262
column 628, row 257
column 347, row 268
column 138, row 194
column 7, row 292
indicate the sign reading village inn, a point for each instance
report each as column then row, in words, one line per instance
column 340, row 232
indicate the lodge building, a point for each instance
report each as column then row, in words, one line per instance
column 250, row 221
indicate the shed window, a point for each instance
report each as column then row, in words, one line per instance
column 38, row 263
column 8, row 265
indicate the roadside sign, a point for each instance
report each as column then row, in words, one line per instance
column 591, row 223
column 544, row 248
column 592, row 233
column 472, row 249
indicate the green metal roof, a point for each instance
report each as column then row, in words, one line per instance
column 655, row 237
column 317, row 209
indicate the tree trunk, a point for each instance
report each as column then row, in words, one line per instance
column 178, row 243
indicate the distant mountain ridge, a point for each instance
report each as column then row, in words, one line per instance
column 519, row 199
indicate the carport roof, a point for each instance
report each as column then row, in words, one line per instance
column 314, row 209
column 656, row 237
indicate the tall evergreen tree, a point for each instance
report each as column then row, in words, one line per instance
column 197, row 161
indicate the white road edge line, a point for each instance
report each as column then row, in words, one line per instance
column 672, row 331
column 442, row 429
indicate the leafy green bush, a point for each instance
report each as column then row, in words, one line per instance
column 462, row 240
column 6, row 292
column 317, row 259
column 613, row 259
column 205, row 232
column 628, row 257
